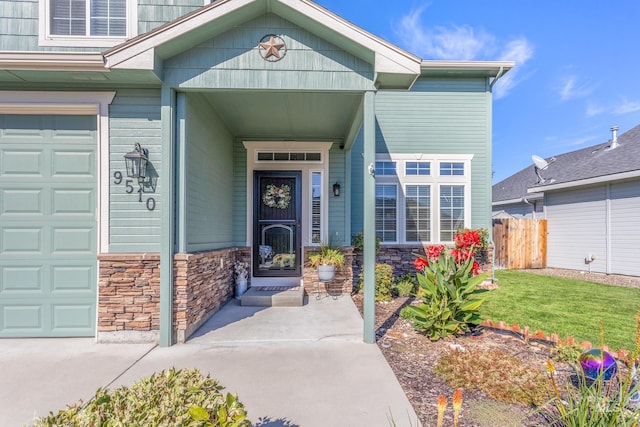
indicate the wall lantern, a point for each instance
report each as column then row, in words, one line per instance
column 136, row 162
column 336, row 189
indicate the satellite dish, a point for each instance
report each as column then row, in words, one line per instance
column 541, row 164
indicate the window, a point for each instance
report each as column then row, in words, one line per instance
column 422, row 198
column 418, row 213
column 385, row 168
column 451, row 211
column 386, row 212
column 452, row 168
column 103, row 18
column 95, row 23
column 418, row 168
column 316, row 207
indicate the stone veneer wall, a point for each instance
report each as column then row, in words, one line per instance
column 343, row 282
column 128, row 297
column 401, row 258
column 203, row 282
column 129, row 292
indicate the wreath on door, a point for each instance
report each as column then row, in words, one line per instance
column 277, row 197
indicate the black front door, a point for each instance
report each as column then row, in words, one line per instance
column 276, row 230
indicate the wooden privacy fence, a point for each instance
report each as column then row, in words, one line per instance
column 520, row 243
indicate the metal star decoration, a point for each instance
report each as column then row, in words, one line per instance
column 271, row 46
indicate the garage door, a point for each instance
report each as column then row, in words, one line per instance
column 48, row 230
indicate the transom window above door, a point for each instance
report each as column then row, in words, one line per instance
column 89, row 23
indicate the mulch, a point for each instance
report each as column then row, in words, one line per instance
column 412, row 357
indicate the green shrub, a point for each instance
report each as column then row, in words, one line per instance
column 450, row 303
column 384, row 281
column 407, row 313
column 357, row 240
column 593, row 403
column 405, row 286
column 169, row 398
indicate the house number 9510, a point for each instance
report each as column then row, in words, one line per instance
column 128, row 183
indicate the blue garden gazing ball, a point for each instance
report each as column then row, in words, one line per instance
column 596, row 362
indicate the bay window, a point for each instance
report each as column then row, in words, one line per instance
column 422, row 198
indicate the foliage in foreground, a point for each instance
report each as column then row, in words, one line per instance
column 596, row 402
column 169, row 398
column 442, row 408
column 593, row 403
column 384, row 282
column 497, row 374
column 450, row 298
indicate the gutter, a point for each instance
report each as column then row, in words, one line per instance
column 47, row 61
column 587, row 181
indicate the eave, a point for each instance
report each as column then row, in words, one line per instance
column 532, row 196
column 583, row 182
column 437, row 68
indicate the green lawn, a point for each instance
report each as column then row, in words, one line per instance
column 565, row 306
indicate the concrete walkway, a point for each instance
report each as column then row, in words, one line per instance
column 290, row 366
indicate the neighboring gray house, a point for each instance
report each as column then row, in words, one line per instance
column 591, row 200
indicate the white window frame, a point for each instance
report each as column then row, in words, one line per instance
column 45, row 38
column 398, row 210
column 434, row 180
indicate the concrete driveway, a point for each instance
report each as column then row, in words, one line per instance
column 290, row 366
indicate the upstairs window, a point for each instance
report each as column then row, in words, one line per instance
column 95, row 23
column 101, row 18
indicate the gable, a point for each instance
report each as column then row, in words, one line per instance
column 233, row 60
column 392, row 67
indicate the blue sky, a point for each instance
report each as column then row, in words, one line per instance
column 577, row 63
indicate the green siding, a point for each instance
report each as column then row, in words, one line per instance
column 437, row 116
column 357, row 186
column 154, row 13
column 134, row 117
column 232, row 60
column 209, row 186
column 19, row 22
column 18, row 25
column 339, row 234
column 239, row 194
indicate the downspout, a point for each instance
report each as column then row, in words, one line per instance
column 496, row 78
column 527, row 202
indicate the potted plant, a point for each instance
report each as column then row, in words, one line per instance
column 241, row 271
column 326, row 261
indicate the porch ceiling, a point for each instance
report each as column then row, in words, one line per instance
column 287, row 115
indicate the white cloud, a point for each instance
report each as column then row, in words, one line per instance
column 463, row 42
column 520, row 51
column 459, row 42
column 572, row 88
column 626, row 107
column 594, row 109
column 623, row 107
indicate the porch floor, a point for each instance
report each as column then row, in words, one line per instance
column 273, row 296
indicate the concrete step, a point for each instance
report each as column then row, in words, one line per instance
column 273, row 296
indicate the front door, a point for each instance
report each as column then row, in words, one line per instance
column 277, row 228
